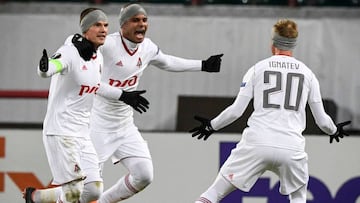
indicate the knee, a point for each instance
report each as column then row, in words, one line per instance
column 147, row 178
column 143, row 177
column 92, row 191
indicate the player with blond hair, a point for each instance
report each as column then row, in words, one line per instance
column 280, row 87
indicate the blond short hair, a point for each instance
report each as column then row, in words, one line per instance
column 286, row 28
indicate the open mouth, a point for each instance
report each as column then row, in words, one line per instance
column 140, row 32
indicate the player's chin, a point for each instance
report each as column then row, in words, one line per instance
column 100, row 40
column 139, row 39
column 99, row 43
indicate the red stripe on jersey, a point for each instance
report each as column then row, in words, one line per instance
column 127, row 49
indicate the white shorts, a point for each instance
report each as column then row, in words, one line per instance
column 247, row 163
column 71, row 158
column 120, row 145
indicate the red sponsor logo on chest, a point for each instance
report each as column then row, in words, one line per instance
column 129, row 82
column 86, row 89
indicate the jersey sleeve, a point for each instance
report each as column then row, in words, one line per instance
column 60, row 62
column 231, row 113
column 235, row 110
column 322, row 119
column 108, row 91
column 172, row 63
column 314, row 93
column 247, row 84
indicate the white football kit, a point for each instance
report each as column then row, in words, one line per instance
column 68, row 146
column 280, row 87
column 112, row 126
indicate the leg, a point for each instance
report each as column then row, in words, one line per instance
column 92, row 191
column 62, row 160
column 48, row 195
column 299, row 196
column 71, row 191
column 93, row 184
column 140, row 175
column 217, row 191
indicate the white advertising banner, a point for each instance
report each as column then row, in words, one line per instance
column 184, row 167
column 329, row 46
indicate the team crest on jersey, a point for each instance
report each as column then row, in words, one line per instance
column 243, row 84
column 119, row 63
column 84, row 67
column 231, row 176
column 139, row 63
column 77, row 168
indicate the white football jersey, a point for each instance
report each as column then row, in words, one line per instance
column 122, row 69
column 280, row 87
column 71, row 93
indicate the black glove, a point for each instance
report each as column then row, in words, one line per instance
column 44, row 62
column 204, row 130
column 212, row 64
column 135, row 100
column 340, row 132
column 85, row 48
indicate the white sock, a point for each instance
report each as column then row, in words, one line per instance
column 217, row 191
column 48, row 195
column 140, row 176
column 120, row 191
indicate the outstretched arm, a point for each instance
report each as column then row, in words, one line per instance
column 322, row 119
column 48, row 67
column 325, row 123
column 231, row 113
column 178, row 64
column 226, row 117
column 132, row 98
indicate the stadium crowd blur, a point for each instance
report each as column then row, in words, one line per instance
column 292, row 3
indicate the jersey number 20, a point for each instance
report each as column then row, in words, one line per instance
column 288, row 89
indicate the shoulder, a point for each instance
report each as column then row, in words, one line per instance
column 112, row 39
column 68, row 49
column 148, row 41
column 262, row 61
column 149, row 45
column 260, row 65
column 68, row 39
column 68, row 55
column 305, row 69
column 113, row 36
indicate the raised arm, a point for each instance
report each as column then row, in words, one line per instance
column 178, row 64
column 48, row 67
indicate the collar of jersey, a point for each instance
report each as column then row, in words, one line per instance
column 130, row 47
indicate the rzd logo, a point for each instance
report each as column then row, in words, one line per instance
column 21, row 179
